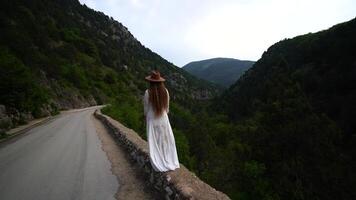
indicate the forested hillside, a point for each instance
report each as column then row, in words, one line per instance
column 59, row 54
column 293, row 120
column 221, row 71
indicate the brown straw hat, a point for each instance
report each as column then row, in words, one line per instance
column 155, row 77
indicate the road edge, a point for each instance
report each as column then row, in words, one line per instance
column 179, row 184
column 26, row 129
column 46, row 119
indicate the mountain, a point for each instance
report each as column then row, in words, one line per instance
column 284, row 130
column 222, row 71
column 294, row 119
column 59, row 54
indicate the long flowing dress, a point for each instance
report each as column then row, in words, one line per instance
column 161, row 142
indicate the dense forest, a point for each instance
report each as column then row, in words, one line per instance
column 287, row 126
column 284, row 130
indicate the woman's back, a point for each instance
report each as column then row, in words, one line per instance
column 149, row 110
column 161, row 142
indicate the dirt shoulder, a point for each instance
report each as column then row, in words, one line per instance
column 132, row 184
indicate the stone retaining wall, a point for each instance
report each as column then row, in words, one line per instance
column 178, row 184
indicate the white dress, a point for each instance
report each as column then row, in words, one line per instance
column 161, row 142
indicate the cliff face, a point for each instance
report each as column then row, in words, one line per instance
column 61, row 54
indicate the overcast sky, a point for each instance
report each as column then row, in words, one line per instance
column 182, row 31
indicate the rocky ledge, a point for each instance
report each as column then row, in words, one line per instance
column 178, row 184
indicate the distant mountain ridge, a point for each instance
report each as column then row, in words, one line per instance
column 221, row 71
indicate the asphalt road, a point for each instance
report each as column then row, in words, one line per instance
column 61, row 159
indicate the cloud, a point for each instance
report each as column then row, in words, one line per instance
column 246, row 30
column 186, row 30
column 136, row 3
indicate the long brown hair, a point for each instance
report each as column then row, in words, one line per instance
column 158, row 97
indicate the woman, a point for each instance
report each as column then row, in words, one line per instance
column 161, row 142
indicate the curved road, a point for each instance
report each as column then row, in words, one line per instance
column 61, row 159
